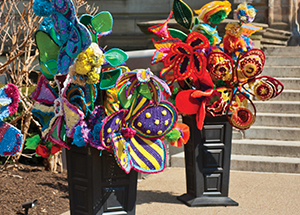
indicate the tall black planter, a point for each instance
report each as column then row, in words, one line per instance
column 207, row 162
column 97, row 185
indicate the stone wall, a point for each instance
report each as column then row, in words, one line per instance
column 127, row 13
column 278, row 14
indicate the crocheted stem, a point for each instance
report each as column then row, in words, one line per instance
column 92, row 96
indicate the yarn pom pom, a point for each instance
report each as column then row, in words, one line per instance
column 173, row 136
column 128, row 132
column 42, row 8
column 218, row 17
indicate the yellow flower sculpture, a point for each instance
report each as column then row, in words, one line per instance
column 88, row 64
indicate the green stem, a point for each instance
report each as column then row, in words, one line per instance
column 92, row 96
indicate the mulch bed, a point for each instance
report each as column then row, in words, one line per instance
column 18, row 186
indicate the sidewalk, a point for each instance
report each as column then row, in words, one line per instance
column 256, row 193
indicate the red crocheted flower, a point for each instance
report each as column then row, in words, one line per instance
column 12, row 92
column 42, row 151
column 186, row 59
column 54, row 149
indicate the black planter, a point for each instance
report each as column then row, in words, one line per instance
column 97, row 185
column 207, row 162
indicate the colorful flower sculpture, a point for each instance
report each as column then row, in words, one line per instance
column 58, row 116
column 135, row 140
column 73, row 36
column 144, row 83
column 230, row 71
column 11, row 139
column 214, row 12
column 179, row 135
column 244, row 80
column 245, row 13
column 209, row 32
column 95, row 100
column 237, row 36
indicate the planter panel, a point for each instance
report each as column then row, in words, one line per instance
column 97, row 185
column 207, row 162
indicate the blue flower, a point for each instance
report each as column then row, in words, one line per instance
column 78, row 139
column 42, row 8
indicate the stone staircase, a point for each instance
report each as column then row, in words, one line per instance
column 272, row 144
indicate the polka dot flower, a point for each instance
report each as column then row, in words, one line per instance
column 134, row 135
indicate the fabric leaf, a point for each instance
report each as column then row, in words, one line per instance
column 48, row 50
column 177, row 34
column 144, row 91
column 115, row 57
column 33, row 142
column 124, row 101
column 183, row 14
column 109, row 78
column 102, row 22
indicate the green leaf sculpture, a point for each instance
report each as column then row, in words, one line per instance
column 33, row 142
column 183, row 14
column 124, row 101
column 49, row 51
column 109, row 78
column 102, row 22
column 177, row 34
column 99, row 25
column 115, row 57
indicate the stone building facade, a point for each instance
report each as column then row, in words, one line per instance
column 278, row 14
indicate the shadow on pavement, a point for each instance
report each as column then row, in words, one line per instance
column 149, row 196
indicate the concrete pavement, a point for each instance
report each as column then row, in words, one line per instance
column 256, row 193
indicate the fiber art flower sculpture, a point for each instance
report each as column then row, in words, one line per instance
column 179, row 135
column 246, row 13
column 213, row 78
column 214, row 12
column 57, row 115
column 11, row 139
column 134, row 136
column 201, row 103
column 95, row 100
column 237, row 36
column 144, row 83
column 209, row 32
column 185, row 59
column 73, row 36
column 62, row 37
column 244, row 80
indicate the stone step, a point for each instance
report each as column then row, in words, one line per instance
column 282, row 71
column 275, row 35
column 237, row 134
column 281, row 51
column 288, row 107
column 283, row 26
column 264, row 46
column 266, row 148
column 288, row 95
column 277, row 119
column 290, row 83
column 253, row 163
column 177, row 160
column 272, row 133
column 282, row 60
column 274, row 41
column 265, row 164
